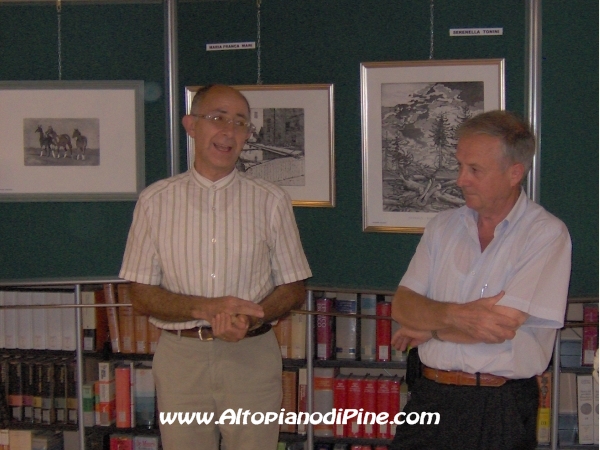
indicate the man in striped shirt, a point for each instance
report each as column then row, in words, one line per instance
column 213, row 257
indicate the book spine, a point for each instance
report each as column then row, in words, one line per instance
column 290, row 397
column 87, row 392
column 39, row 321
column 121, row 442
column 60, row 391
column 323, row 398
column 68, row 322
column 345, row 331
column 28, row 374
column 395, row 400
column 24, row 322
column 54, row 321
column 369, row 404
column 283, row 333
column 102, row 332
column 15, row 389
column 142, row 343
column 354, row 401
column 544, row 408
column 325, row 336
column 10, row 321
column 113, row 319
column 105, row 403
column 126, row 320
column 384, row 332
column 589, row 341
column 88, row 322
column 368, row 328
column 302, row 398
column 146, row 442
column 48, row 411
column 145, row 396
column 340, row 400
column 123, row 396
column 383, row 406
column 585, row 406
column 298, row 337
column 72, row 402
column 153, row 337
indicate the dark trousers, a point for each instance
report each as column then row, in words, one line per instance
column 472, row 418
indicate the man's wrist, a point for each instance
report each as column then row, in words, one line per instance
column 434, row 335
column 255, row 322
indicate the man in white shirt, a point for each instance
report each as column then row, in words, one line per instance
column 482, row 298
column 214, row 256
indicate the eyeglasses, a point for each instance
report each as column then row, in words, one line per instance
column 221, row 121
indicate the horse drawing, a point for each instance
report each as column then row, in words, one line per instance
column 45, row 141
column 80, row 143
column 60, row 140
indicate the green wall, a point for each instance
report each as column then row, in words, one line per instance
column 311, row 41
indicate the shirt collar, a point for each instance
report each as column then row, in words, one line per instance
column 470, row 216
column 219, row 184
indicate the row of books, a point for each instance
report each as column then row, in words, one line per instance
column 69, row 440
column 350, row 447
column 41, row 329
column 343, row 338
column 38, row 390
column 124, row 396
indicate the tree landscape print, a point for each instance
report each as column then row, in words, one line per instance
column 419, row 122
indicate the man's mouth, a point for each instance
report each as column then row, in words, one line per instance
column 222, row 148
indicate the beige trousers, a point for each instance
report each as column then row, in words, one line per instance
column 213, row 377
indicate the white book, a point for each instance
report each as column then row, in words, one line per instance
column 4, row 438
column 585, row 409
column 323, row 397
column 2, row 334
column 10, row 320
column 24, row 321
column 368, row 328
column 345, row 333
column 39, row 321
column 298, row 341
column 53, row 322
column 68, row 321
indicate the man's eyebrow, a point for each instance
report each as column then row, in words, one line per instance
column 222, row 111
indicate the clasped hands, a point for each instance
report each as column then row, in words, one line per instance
column 231, row 317
column 478, row 321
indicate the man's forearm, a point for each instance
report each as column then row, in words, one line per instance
column 283, row 298
column 417, row 311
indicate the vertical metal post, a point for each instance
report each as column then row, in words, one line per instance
column 79, row 359
column 310, row 304
column 171, row 82
column 555, row 397
column 533, row 89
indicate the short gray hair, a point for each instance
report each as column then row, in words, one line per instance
column 518, row 141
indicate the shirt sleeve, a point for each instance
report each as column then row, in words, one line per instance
column 416, row 277
column 141, row 263
column 540, row 281
column 288, row 260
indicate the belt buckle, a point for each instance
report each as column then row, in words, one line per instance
column 205, row 334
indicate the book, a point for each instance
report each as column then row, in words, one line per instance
column 589, row 340
column 384, row 331
column 46, row 440
column 87, row 393
column 398, row 398
column 585, row 409
column 121, row 442
column 140, row 326
column 283, row 333
column 123, row 395
column 15, row 388
column 24, row 321
column 68, row 322
column 28, row 374
column 10, row 320
column 543, row 416
column 54, row 319
column 20, row 439
column 60, row 391
column 145, row 395
column 72, row 402
column 146, row 442
column 324, row 326
column 298, row 335
column 47, row 386
column 340, row 400
column 368, row 328
column 40, row 334
column 37, row 392
column 4, row 439
column 126, row 320
column 354, row 400
column 113, row 319
column 345, row 327
column 289, row 402
column 383, row 405
column 94, row 321
column 105, row 407
column 369, row 405
column 323, row 397
column 153, row 337
column 302, row 398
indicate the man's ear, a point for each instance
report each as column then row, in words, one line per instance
column 189, row 123
column 517, row 172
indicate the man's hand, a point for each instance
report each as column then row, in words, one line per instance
column 483, row 321
column 232, row 306
column 407, row 337
column 230, row 328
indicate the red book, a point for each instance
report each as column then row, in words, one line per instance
column 123, row 395
column 590, row 335
column 325, row 328
column 302, row 398
column 370, row 407
column 394, row 402
column 354, row 401
column 383, row 405
column 121, row 442
column 384, row 332
column 340, row 399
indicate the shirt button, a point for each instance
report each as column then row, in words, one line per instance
column 213, row 240
column 212, row 275
column 214, row 208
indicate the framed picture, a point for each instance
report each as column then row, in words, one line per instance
column 71, row 140
column 293, row 142
column 410, row 111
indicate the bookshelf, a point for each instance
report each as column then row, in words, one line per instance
column 78, row 285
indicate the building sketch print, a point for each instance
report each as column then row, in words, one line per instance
column 275, row 151
column 61, row 142
column 418, row 126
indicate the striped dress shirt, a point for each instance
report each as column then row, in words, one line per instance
column 237, row 236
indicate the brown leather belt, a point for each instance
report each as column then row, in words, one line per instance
column 459, row 378
column 205, row 333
